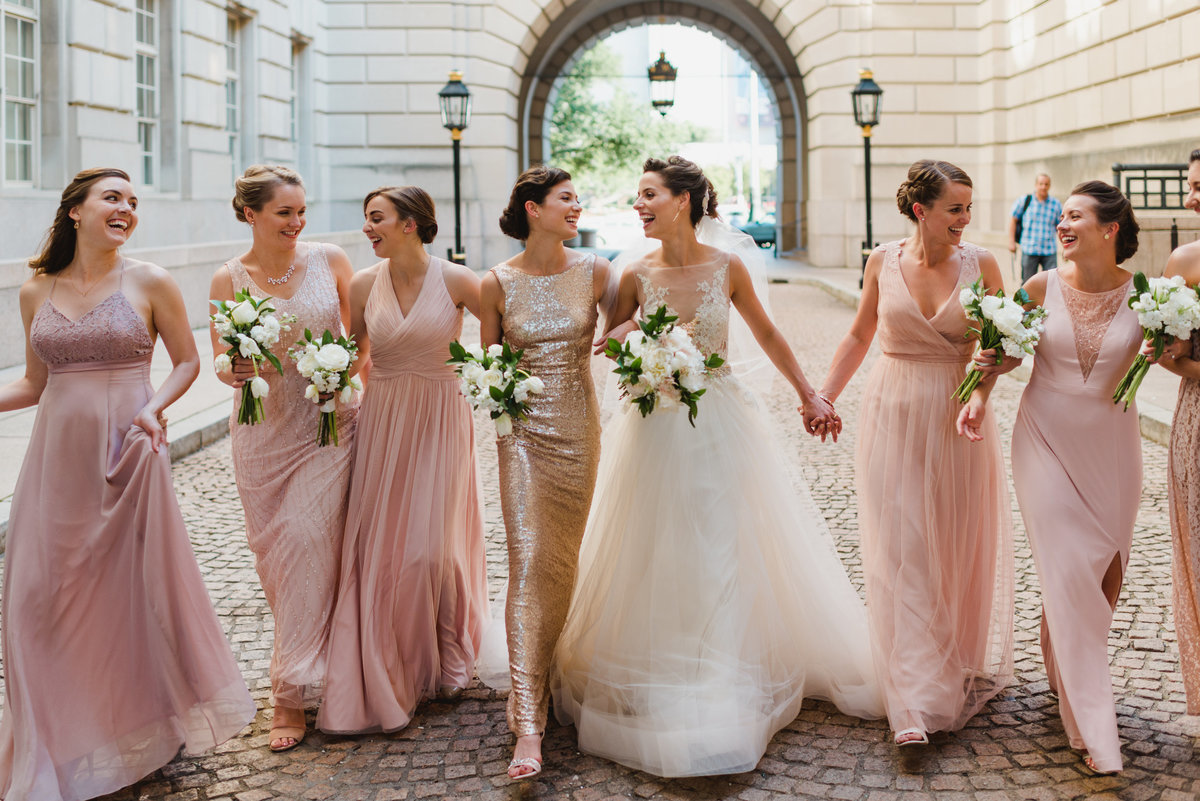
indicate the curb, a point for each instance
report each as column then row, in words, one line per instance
column 1153, row 421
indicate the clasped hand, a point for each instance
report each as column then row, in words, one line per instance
column 820, row 419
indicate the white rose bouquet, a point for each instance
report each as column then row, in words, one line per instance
column 1167, row 309
column 1003, row 323
column 251, row 326
column 491, row 381
column 325, row 362
column 660, row 366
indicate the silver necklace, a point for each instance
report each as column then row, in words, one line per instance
column 283, row 279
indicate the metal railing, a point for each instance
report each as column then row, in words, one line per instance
column 1152, row 186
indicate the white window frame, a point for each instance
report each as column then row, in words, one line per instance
column 24, row 12
column 149, row 115
column 235, row 26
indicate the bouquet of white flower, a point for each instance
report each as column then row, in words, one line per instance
column 326, row 364
column 659, row 365
column 492, row 381
column 251, row 326
column 1004, row 324
column 1167, row 308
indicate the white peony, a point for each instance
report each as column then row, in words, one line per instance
column 247, row 347
column 637, row 343
column 966, row 297
column 476, row 351
column 471, row 372
column 307, row 363
column 222, row 363
column 243, row 313
column 491, row 378
column 333, row 357
column 259, row 334
column 259, row 387
column 691, row 380
column 495, row 351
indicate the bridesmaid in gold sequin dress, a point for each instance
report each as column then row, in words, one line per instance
column 1183, row 473
column 1077, row 460
column 544, row 300
column 293, row 491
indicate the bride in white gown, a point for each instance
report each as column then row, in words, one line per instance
column 710, row 600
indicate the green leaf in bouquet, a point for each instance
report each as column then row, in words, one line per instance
column 457, row 352
column 273, row 359
column 713, row 362
column 496, row 394
column 1021, row 297
column 1140, row 284
column 307, row 336
column 612, row 348
column 327, row 338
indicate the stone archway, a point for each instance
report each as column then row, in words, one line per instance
column 738, row 22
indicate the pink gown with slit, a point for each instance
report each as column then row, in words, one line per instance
column 1077, row 467
column 934, row 517
column 113, row 655
column 413, row 593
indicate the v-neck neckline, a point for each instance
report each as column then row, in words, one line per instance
column 1062, row 296
column 420, row 292
column 953, row 292
column 84, row 316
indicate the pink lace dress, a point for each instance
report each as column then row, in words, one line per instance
column 1183, row 485
column 294, row 491
column 933, row 513
column 113, row 655
column 1077, row 468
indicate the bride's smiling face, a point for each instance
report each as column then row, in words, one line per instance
column 558, row 214
column 658, row 209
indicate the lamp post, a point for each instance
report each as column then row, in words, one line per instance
column 866, row 98
column 662, row 83
column 455, row 103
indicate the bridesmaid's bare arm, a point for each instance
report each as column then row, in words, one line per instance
column 463, row 285
column 620, row 323
column 221, row 288
column 1178, row 356
column 169, row 316
column 491, row 310
column 854, row 346
column 343, row 272
column 27, row 390
column 360, row 290
column 605, row 291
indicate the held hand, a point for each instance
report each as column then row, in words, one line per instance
column 243, row 371
column 820, row 419
column 619, row 333
column 155, row 426
column 970, row 419
column 1012, row 246
column 985, row 362
column 1177, row 349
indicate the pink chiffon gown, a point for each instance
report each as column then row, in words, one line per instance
column 413, row 595
column 113, row 655
column 934, row 517
column 1077, row 467
column 294, row 491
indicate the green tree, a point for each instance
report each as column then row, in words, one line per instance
column 600, row 133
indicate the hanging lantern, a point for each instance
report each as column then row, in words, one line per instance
column 662, row 84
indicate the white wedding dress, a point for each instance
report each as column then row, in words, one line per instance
column 710, row 601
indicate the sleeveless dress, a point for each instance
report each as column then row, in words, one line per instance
column 933, row 512
column 294, row 491
column 1077, row 468
column 547, row 471
column 113, row 655
column 412, row 599
column 1183, row 488
column 710, row 599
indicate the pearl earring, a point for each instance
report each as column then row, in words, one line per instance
column 1106, row 236
column 77, row 225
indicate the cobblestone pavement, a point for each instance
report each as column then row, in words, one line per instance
column 1014, row 749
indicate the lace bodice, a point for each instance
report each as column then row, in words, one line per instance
column 112, row 330
column 1091, row 313
column 698, row 295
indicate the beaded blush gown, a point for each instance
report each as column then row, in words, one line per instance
column 412, row 599
column 933, row 516
column 1183, row 487
column 710, row 601
column 547, row 472
column 113, row 655
column 1077, row 468
column 294, row 492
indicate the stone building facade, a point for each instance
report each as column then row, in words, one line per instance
column 185, row 93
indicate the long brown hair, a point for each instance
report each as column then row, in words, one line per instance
column 58, row 245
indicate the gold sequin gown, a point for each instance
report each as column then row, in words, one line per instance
column 547, row 471
column 1183, row 484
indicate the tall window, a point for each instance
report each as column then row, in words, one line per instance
column 294, row 92
column 18, row 82
column 233, row 116
column 146, row 85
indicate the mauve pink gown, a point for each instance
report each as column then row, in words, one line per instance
column 413, row 594
column 294, row 491
column 1077, row 467
column 113, row 655
column 934, row 517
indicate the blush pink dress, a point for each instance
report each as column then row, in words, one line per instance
column 1077, row 467
column 413, row 594
column 1183, row 486
column 294, row 491
column 934, row 517
column 113, row 655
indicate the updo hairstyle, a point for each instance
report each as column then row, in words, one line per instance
column 1112, row 206
column 58, row 246
column 533, row 184
column 257, row 186
column 680, row 175
column 927, row 180
column 411, row 203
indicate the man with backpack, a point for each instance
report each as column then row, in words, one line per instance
column 1032, row 227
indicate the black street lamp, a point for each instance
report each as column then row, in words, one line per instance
column 662, row 83
column 866, row 98
column 455, row 102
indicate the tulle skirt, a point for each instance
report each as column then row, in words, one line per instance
column 710, row 600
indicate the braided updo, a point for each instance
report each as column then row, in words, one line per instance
column 926, row 181
column 680, row 175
